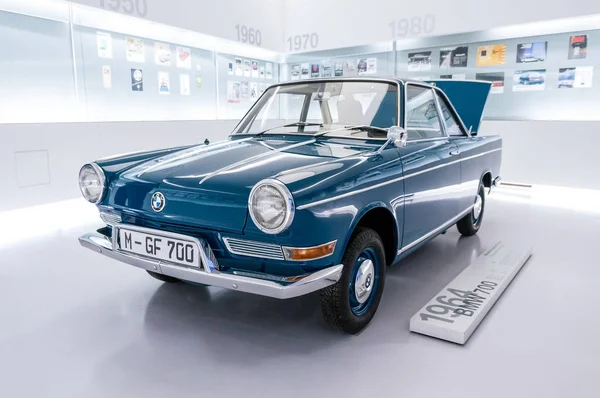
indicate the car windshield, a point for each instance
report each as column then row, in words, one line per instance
column 360, row 109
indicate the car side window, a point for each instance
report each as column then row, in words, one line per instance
column 453, row 127
column 422, row 118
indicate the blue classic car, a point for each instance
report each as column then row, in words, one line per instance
column 322, row 185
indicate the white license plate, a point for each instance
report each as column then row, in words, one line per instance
column 160, row 247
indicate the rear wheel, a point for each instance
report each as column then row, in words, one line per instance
column 164, row 278
column 470, row 224
column 351, row 303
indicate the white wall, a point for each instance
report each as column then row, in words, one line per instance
column 47, row 157
column 549, row 152
column 358, row 22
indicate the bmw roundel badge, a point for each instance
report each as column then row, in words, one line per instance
column 158, row 201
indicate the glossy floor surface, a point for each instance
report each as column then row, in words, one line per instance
column 75, row 324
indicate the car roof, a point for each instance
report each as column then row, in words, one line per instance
column 384, row 79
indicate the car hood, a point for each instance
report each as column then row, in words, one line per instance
column 208, row 185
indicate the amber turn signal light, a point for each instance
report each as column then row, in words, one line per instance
column 309, row 253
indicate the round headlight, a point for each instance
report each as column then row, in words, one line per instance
column 92, row 182
column 271, row 206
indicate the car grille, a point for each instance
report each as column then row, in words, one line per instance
column 253, row 249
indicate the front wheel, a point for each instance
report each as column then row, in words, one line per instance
column 470, row 224
column 351, row 303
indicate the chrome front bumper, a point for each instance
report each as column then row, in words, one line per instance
column 308, row 284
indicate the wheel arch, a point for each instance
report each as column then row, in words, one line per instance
column 380, row 218
column 487, row 178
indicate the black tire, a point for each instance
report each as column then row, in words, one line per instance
column 470, row 224
column 336, row 299
column 163, row 278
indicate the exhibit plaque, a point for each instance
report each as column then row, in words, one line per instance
column 455, row 312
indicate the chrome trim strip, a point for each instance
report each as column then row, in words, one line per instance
column 310, row 247
column 251, row 248
column 308, row 284
column 110, row 218
column 428, row 235
column 345, row 195
column 253, row 158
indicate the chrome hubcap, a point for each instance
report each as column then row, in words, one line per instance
column 363, row 285
column 478, row 207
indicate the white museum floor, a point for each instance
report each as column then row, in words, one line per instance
column 76, row 324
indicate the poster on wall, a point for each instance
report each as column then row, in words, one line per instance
column 230, row 68
column 578, row 47
column 456, row 76
column 532, row 52
column 253, row 91
column 162, row 54
column 326, row 72
column 529, row 80
column 106, row 76
column 134, row 49
column 496, row 78
column 137, row 80
column 304, row 71
column 104, row 43
column 269, row 70
column 338, row 69
column 199, row 81
column 261, row 72
column 454, row 57
column 295, row 75
column 245, row 89
column 371, row 65
column 247, row 68
column 350, row 66
column 233, row 92
column 261, row 88
column 314, row 70
column 238, row 67
column 184, row 84
column 361, row 66
column 184, row 57
column 492, row 55
column 419, row 61
column 254, row 73
column 164, row 83
column 423, row 78
column 575, row 77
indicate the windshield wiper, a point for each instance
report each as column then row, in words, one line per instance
column 357, row 127
column 297, row 124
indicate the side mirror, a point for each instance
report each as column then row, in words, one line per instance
column 397, row 135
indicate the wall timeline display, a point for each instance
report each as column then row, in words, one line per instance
column 295, row 72
column 106, row 76
column 529, row 80
column 454, row 57
column 578, row 47
column 162, row 54
column 247, row 68
column 304, row 71
column 137, row 80
column 338, row 69
column 532, row 52
column 184, row 84
column 184, row 57
column 233, row 92
column 164, row 83
column 269, row 70
column 458, row 76
column 419, row 61
column 314, row 70
column 238, row 67
column 104, row 43
column 496, row 78
column 134, row 49
column 254, row 73
column 575, row 77
column 326, row 72
column 491, row 55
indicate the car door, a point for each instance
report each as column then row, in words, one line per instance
column 431, row 169
column 468, row 147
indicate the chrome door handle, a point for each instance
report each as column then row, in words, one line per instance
column 454, row 153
